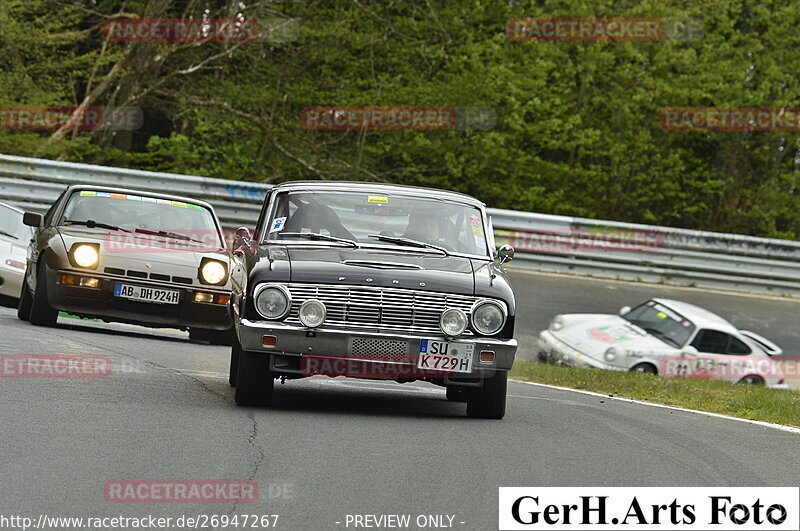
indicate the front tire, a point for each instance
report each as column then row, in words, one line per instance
column 647, row 368
column 42, row 314
column 254, row 380
column 752, row 379
column 25, row 302
column 489, row 401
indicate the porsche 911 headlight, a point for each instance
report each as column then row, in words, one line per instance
column 85, row 255
column 556, row 324
column 488, row 317
column 453, row 321
column 610, row 354
column 213, row 272
column 272, row 302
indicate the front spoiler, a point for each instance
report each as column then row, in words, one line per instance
column 101, row 303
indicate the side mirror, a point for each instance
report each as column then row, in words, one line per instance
column 624, row 310
column 241, row 240
column 33, row 219
column 689, row 350
column 505, row 253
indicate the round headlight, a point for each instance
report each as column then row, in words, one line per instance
column 556, row 324
column 213, row 272
column 453, row 322
column 312, row 313
column 610, row 354
column 272, row 303
column 85, row 255
column 488, row 317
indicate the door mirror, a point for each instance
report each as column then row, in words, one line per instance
column 505, row 253
column 241, row 240
column 689, row 350
column 33, row 219
column 624, row 310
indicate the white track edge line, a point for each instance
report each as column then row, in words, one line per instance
column 790, row 429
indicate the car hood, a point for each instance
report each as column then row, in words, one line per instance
column 596, row 333
column 133, row 251
column 382, row 268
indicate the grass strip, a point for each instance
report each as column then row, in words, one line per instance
column 752, row 402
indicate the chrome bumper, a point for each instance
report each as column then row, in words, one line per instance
column 300, row 341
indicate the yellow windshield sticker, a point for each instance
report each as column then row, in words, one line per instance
column 379, row 199
column 661, row 315
column 88, row 194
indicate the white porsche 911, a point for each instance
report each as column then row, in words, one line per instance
column 672, row 338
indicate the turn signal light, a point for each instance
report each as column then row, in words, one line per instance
column 487, row 356
column 75, row 280
column 269, row 341
column 211, row 298
column 200, row 296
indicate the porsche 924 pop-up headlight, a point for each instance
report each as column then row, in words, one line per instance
column 488, row 317
column 272, row 302
column 453, row 322
column 312, row 313
column 85, row 255
column 213, row 272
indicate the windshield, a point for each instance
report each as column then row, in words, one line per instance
column 11, row 225
column 661, row 322
column 145, row 215
column 378, row 219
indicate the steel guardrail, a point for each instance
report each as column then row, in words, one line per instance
column 544, row 242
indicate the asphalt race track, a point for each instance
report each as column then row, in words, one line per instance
column 332, row 448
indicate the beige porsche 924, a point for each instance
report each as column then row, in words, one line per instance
column 129, row 256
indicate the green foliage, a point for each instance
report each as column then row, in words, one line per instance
column 577, row 127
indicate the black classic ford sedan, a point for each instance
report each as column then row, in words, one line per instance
column 375, row 281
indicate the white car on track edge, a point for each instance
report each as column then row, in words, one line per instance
column 661, row 336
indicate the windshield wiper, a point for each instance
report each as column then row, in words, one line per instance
column 4, row 233
column 409, row 241
column 92, row 224
column 168, row 234
column 659, row 334
column 318, row 236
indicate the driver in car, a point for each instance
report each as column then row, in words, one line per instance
column 423, row 226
